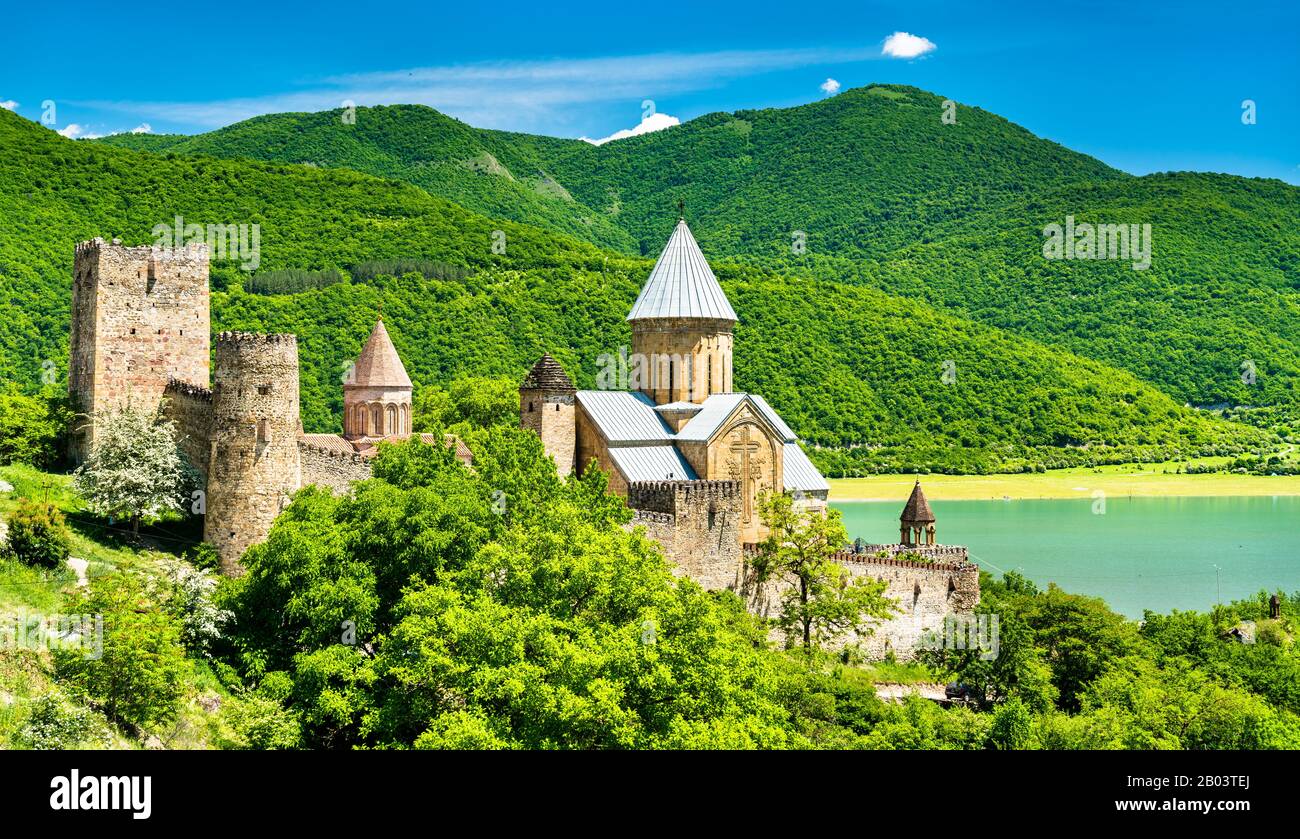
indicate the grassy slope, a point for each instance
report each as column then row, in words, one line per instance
column 27, row 674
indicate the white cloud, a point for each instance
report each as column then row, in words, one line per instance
column 73, row 131
column 906, row 45
column 9, row 105
column 518, row 95
column 142, row 128
column 830, row 87
column 654, row 122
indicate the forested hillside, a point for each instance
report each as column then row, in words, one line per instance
column 888, row 194
column 847, row 365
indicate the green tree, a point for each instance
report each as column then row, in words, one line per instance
column 823, row 599
column 547, row 626
column 135, row 471
column 139, row 674
column 32, row 427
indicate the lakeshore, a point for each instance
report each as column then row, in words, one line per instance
column 1119, row 481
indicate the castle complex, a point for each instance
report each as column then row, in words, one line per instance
column 692, row 456
column 141, row 323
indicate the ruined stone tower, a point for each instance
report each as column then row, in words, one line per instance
column 253, row 466
column 140, row 315
column 547, row 406
column 682, row 326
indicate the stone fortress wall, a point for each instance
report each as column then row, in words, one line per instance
column 697, row 525
column 331, row 467
column 925, row 591
column 189, row 406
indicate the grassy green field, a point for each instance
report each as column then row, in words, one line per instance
column 1123, row 480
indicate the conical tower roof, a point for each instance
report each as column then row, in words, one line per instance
column 379, row 365
column 682, row 284
column 917, row 508
column 547, row 374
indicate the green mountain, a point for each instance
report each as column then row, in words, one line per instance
column 479, row 170
column 848, row 365
column 888, row 195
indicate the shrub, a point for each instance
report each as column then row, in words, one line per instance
column 38, row 535
column 256, row 722
column 54, row 724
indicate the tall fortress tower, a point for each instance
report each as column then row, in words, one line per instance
column 139, row 317
column 253, row 463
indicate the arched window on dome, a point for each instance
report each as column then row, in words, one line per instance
column 391, row 427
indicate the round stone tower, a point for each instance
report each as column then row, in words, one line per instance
column 254, row 466
column 377, row 391
column 682, row 327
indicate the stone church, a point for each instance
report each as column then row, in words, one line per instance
column 682, row 419
column 691, row 455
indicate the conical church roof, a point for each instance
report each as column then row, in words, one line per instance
column 547, row 374
column 917, row 508
column 379, row 365
column 682, row 284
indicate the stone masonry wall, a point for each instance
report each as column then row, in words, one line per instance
column 333, row 469
column 924, row 593
column 190, row 408
column 140, row 315
column 696, row 523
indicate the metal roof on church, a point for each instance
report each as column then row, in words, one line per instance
column 643, row 448
column 682, row 285
column 798, row 472
column 719, row 406
column 651, row 463
column 624, row 416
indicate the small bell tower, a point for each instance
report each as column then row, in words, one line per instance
column 916, row 524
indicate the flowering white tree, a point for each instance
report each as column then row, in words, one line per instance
column 135, row 470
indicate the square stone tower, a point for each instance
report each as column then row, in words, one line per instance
column 140, row 316
column 548, row 405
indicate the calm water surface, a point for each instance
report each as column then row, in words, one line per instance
column 1141, row 553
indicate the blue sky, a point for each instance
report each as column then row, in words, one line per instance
column 1143, row 86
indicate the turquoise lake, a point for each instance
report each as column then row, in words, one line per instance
column 1141, row 553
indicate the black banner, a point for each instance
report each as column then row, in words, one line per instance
column 139, row 790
